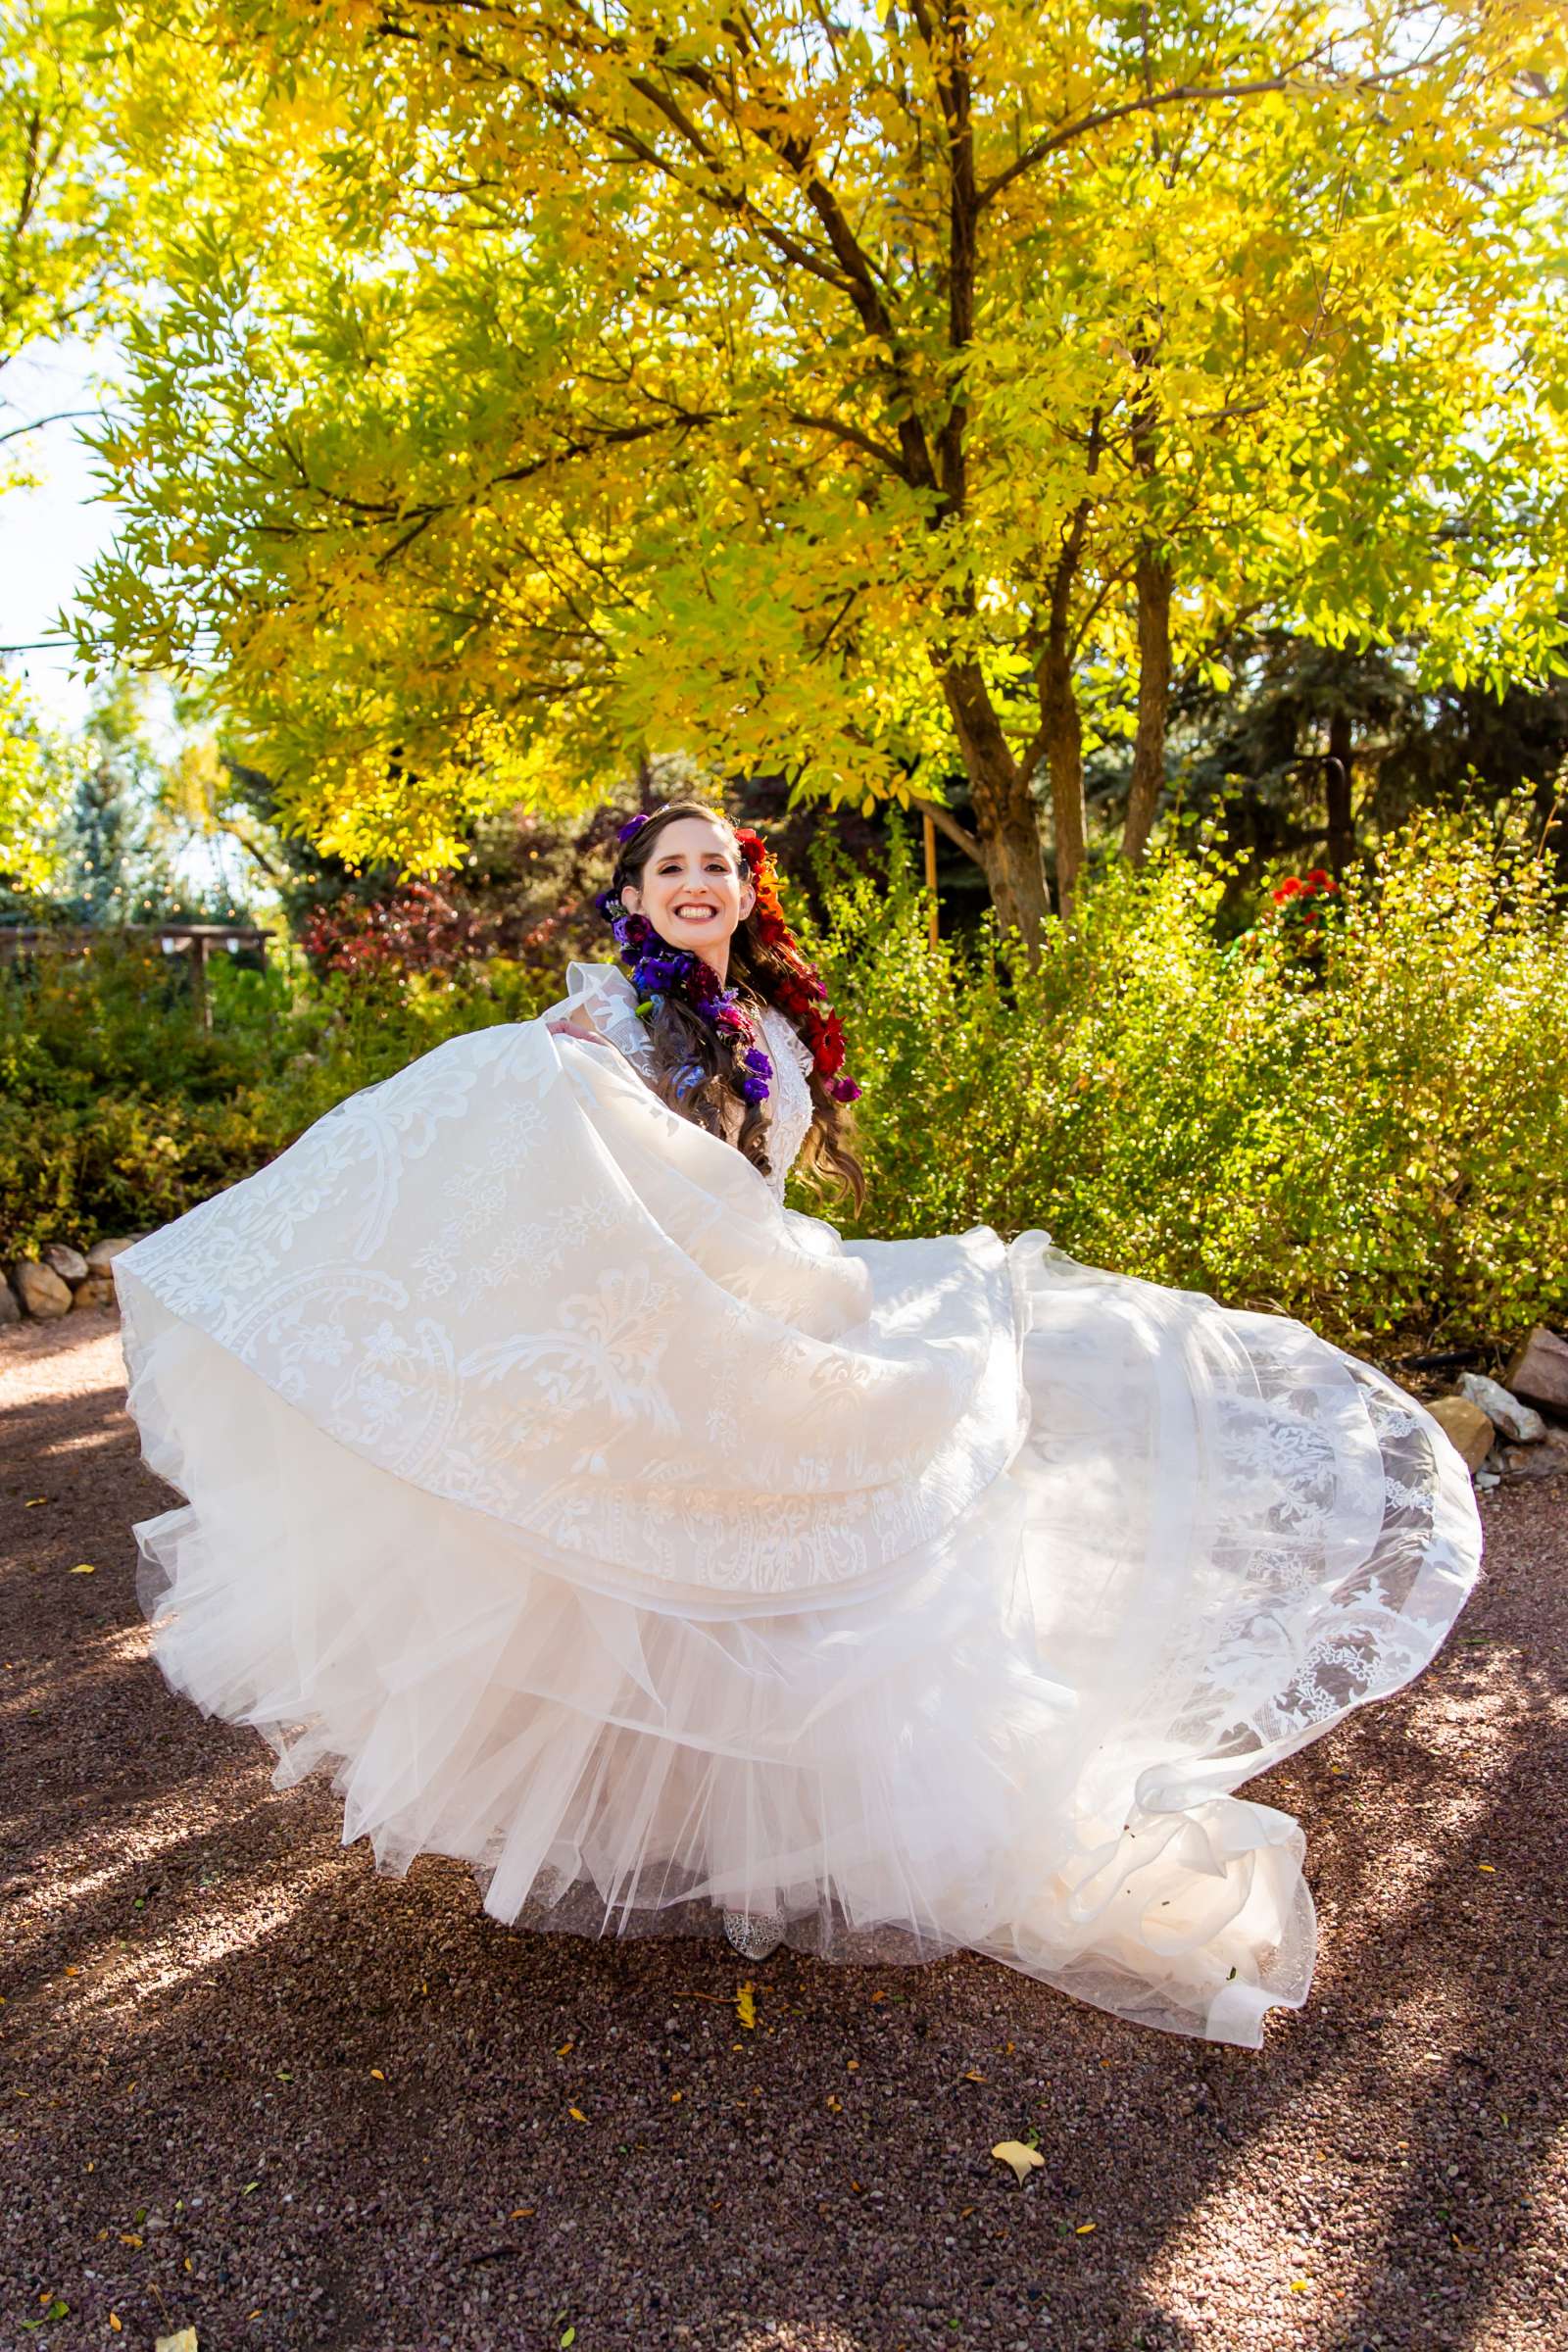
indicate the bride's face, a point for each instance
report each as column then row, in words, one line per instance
column 690, row 890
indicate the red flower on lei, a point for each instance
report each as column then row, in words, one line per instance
column 800, row 993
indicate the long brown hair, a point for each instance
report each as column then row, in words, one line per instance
column 698, row 1068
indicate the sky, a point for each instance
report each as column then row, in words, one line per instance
column 49, row 535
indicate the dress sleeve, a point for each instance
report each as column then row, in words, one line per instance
column 604, row 994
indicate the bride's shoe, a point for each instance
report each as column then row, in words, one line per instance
column 756, row 1934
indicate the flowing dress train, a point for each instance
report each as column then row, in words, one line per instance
column 594, row 1517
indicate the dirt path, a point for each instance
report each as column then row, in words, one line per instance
column 253, row 2089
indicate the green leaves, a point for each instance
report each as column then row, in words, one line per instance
column 1376, row 1155
column 605, row 385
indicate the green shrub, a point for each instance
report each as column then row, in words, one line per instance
column 117, row 1113
column 1378, row 1144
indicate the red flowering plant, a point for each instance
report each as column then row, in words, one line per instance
column 1302, row 913
column 417, row 928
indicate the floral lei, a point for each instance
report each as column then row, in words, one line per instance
column 658, row 971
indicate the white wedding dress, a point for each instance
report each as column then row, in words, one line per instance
column 599, row 1520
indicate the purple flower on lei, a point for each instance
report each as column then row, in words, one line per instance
column 658, row 971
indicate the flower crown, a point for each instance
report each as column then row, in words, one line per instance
column 658, row 971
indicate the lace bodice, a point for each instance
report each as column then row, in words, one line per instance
column 606, row 994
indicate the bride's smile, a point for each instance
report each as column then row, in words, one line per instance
column 692, row 892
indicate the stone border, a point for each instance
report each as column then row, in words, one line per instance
column 40, row 1289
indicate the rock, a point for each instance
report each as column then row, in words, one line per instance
column 101, row 1257
column 40, row 1289
column 97, row 1290
column 10, row 1308
column 1511, row 1418
column 1535, row 1462
column 1539, row 1370
column 68, row 1264
column 1466, row 1425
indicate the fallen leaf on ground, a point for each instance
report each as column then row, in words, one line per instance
column 1084, row 2229
column 84, row 1568
column 577, row 2113
column 185, row 2341
column 746, row 2004
column 1022, row 2160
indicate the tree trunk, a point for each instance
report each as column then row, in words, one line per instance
column 1062, row 735
column 1006, row 829
column 1337, row 770
column 1154, row 577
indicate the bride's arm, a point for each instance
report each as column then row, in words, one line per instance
column 601, row 1008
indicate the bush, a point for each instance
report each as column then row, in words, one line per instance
column 1377, row 1143
column 1373, row 1138
column 117, row 1113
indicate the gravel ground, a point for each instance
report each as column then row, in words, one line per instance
column 254, row 2089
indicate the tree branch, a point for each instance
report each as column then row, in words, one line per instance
column 1287, row 82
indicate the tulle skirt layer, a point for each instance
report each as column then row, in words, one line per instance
column 1022, row 1736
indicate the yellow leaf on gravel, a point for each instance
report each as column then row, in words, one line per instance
column 577, row 2113
column 376, row 2075
column 1022, row 2160
column 84, row 1568
column 115, row 2322
column 185, row 2341
column 1084, row 2229
column 746, row 2004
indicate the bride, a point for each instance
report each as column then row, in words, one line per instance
column 688, row 1569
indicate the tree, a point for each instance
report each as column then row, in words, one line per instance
column 119, row 849
column 68, row 238
column 1318, row 752
column 30, row 799
column 839, row 395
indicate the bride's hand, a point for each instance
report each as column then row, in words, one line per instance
column 571, row 1028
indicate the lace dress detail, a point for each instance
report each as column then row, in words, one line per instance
column 683, row 1566
column 606, row 994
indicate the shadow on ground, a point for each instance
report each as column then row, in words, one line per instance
column 254, row 2089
